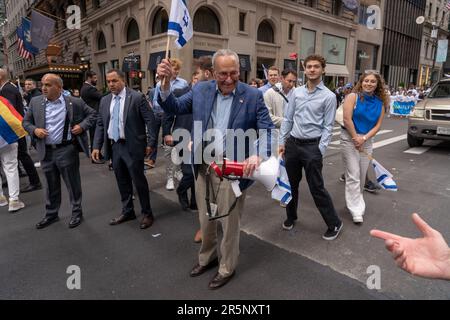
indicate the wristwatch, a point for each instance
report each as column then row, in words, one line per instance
column 364, row 137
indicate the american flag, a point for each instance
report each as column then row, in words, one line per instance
column 447, row 6
column 23, row 52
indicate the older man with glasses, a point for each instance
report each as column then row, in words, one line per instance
column 222, row 104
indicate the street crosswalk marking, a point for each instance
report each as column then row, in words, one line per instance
column 381, row 132
column 423, row 149
column 417, row 150
column 386, row 142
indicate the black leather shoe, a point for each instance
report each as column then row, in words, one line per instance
column 31, row 187
column 219, row 281
column 46, row 222
column 98, row 161
column 75, row 221
column 146, row 222
column 121, row 219
column 198, row 269
column 183, row 200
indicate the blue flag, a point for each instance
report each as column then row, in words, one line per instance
column 26, row 49
column 180, row 23
column 42, row 28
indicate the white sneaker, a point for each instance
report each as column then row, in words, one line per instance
column 37, row 164
column 358, row 220
column 170, row 185
column 3, row 201
column 178, row 175
column 16, row 205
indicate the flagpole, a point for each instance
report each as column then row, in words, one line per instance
column 163, row 82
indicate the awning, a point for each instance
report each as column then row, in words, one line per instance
column 131, row 63
column 336, row 70
column 155, row 59
column 244, row 62
column 200, row 53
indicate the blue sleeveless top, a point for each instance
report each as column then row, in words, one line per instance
column 366, row 113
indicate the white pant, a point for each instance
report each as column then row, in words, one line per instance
column 8, row 158
column 171, row 168
column 356, row 164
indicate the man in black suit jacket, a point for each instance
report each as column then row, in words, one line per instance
column 92, row 97
column 12, row 93
column 125, row 127
column 31, row 90
column 59, row 125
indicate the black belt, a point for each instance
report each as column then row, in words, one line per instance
column 59, row 145
column 306, row 141
column 118, row 141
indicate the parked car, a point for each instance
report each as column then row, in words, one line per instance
column 430, row 118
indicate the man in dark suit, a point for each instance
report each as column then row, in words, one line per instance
column 31, row 90
column 125, row 127
column 59, row 125
column 222, row 104
column 12, row 93
column 92, row 97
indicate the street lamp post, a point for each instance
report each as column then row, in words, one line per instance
column 434, row 36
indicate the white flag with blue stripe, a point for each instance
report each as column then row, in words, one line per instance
column 384, row 177
column 180, row 23
column 282, row 191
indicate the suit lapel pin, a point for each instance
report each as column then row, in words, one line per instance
column 241, row 100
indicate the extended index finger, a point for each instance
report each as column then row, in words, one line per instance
column 384, row 235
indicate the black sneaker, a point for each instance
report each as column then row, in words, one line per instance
column 370, row 187
column 332, row 234
column 288, row 225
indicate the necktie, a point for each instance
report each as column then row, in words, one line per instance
column 115, row 120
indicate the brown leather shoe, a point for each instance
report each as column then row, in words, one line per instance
column 198, row 236
column 198, row 269
column 219, row 281
column 146, row 222
column 121, row 219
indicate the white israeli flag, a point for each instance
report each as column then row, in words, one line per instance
column 180, row 23
column 384, row 177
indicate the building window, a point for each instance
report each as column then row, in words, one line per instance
column 242, row 16
column 102, row 68
column 112, row 32
column 96, row 4
column 311, row 3
column 205, row 20
column 291, row 31
column 132, row 31
column 115, row 64
column 307, row 43
column 101, row 41
column 333, row 49
column 160, row 22
column 265, row 32
column 83, row 8
column 336, row 7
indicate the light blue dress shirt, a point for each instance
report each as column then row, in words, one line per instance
column 265, row 87
column 55, row 118
column 310, row 115
column 178, row 83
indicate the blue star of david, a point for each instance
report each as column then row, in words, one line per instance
column 186, row 18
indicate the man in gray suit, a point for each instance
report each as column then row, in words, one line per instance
column 125, row 125
column 59, row 125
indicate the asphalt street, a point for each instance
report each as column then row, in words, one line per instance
column 124, row 262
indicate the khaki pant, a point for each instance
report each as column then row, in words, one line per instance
column 229, row 246
column 356, row 164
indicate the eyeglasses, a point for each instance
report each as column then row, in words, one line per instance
column 371, row 72
column 225, row 75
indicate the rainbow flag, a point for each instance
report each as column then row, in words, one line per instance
column 11, row 128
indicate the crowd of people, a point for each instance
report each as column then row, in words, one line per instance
column 122, row 128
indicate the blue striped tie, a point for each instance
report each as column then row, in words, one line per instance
column 115, row 120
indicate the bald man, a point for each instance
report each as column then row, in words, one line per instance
column 59, row 124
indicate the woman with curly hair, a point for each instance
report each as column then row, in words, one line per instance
column 363, row 114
